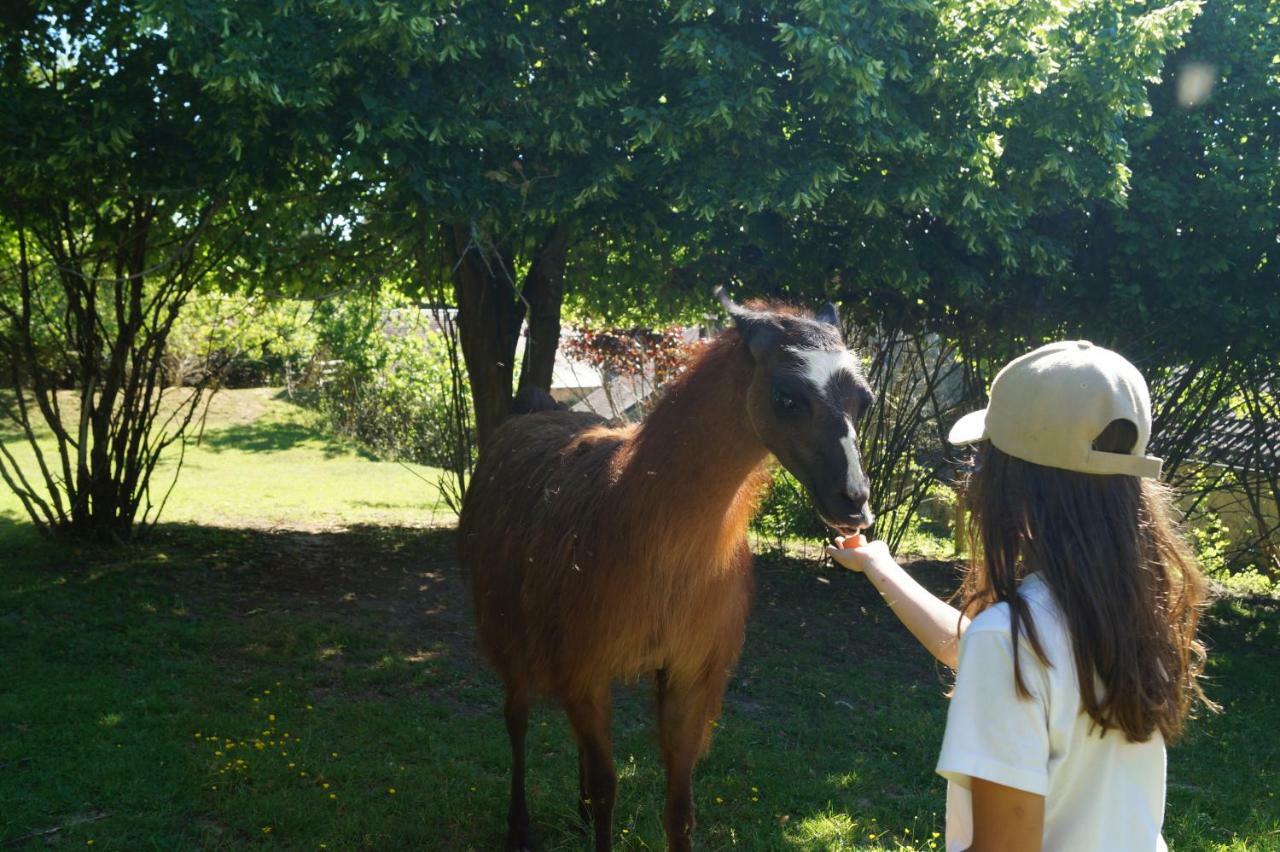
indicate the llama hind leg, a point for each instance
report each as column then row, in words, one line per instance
column 590, row 718
column 584, row 804
column 685, row 712
column 516, row 711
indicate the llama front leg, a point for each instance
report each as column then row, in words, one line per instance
column 685, row 711
column 590, row 718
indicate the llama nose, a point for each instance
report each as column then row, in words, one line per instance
column 858, row 497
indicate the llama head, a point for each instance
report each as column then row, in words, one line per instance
column 806, row 394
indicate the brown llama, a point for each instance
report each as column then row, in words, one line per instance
column 602, row 553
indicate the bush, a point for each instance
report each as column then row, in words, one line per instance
column 249, row 341
column 384, row 378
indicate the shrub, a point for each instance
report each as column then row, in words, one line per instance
column 385, row 378
column 251, row 341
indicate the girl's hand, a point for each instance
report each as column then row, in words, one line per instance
column 860, row 559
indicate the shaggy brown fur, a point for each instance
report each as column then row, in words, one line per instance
column 601, row 553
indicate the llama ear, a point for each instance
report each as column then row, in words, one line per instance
column 758, row 328
column 730, row 306
column 829, row 315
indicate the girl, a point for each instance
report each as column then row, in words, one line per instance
column 1075, row 642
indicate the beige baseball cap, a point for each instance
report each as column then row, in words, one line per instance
column 1048, row 406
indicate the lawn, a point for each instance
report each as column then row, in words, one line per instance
column 288, row 662
column 262, row 461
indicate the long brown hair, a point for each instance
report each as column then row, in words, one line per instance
column 1110, row 552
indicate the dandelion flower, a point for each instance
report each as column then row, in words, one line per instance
column 271, row 717
column 391, row 791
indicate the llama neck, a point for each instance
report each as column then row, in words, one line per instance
column 696, row 462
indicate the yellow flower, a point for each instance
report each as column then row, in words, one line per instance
column 325, row 785
column 391, row 790
column 719, row 801
column 333, row 795
column 271, row 717
column 88, row 842
column 266, row 829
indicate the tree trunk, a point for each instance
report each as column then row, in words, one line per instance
column 544, row 293
column 489, row 317
column 490, row 314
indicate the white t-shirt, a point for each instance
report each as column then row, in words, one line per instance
column 1101, row 793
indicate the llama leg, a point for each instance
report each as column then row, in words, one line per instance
column 685, row 711
column 584, row 809
column 590, row 719
column 517, row 715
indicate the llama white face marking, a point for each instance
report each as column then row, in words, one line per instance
column 820, row 366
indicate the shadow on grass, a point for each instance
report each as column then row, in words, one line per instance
column 260, row 437
column 372, row 626
column 829, row 733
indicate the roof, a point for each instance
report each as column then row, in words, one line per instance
column 1236, row 443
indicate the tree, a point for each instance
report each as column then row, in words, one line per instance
column 118, row 196
column 641, row 151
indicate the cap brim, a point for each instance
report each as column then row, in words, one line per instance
column 969, row 429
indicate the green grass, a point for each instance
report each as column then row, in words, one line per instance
column 138, row 682
column 262, row 461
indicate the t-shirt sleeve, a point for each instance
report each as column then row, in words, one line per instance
column 992, row 732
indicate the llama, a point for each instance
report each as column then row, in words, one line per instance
column 601, row 553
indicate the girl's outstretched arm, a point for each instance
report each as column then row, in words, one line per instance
column 929, row 619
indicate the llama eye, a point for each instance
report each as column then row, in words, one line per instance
column 785, row 403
